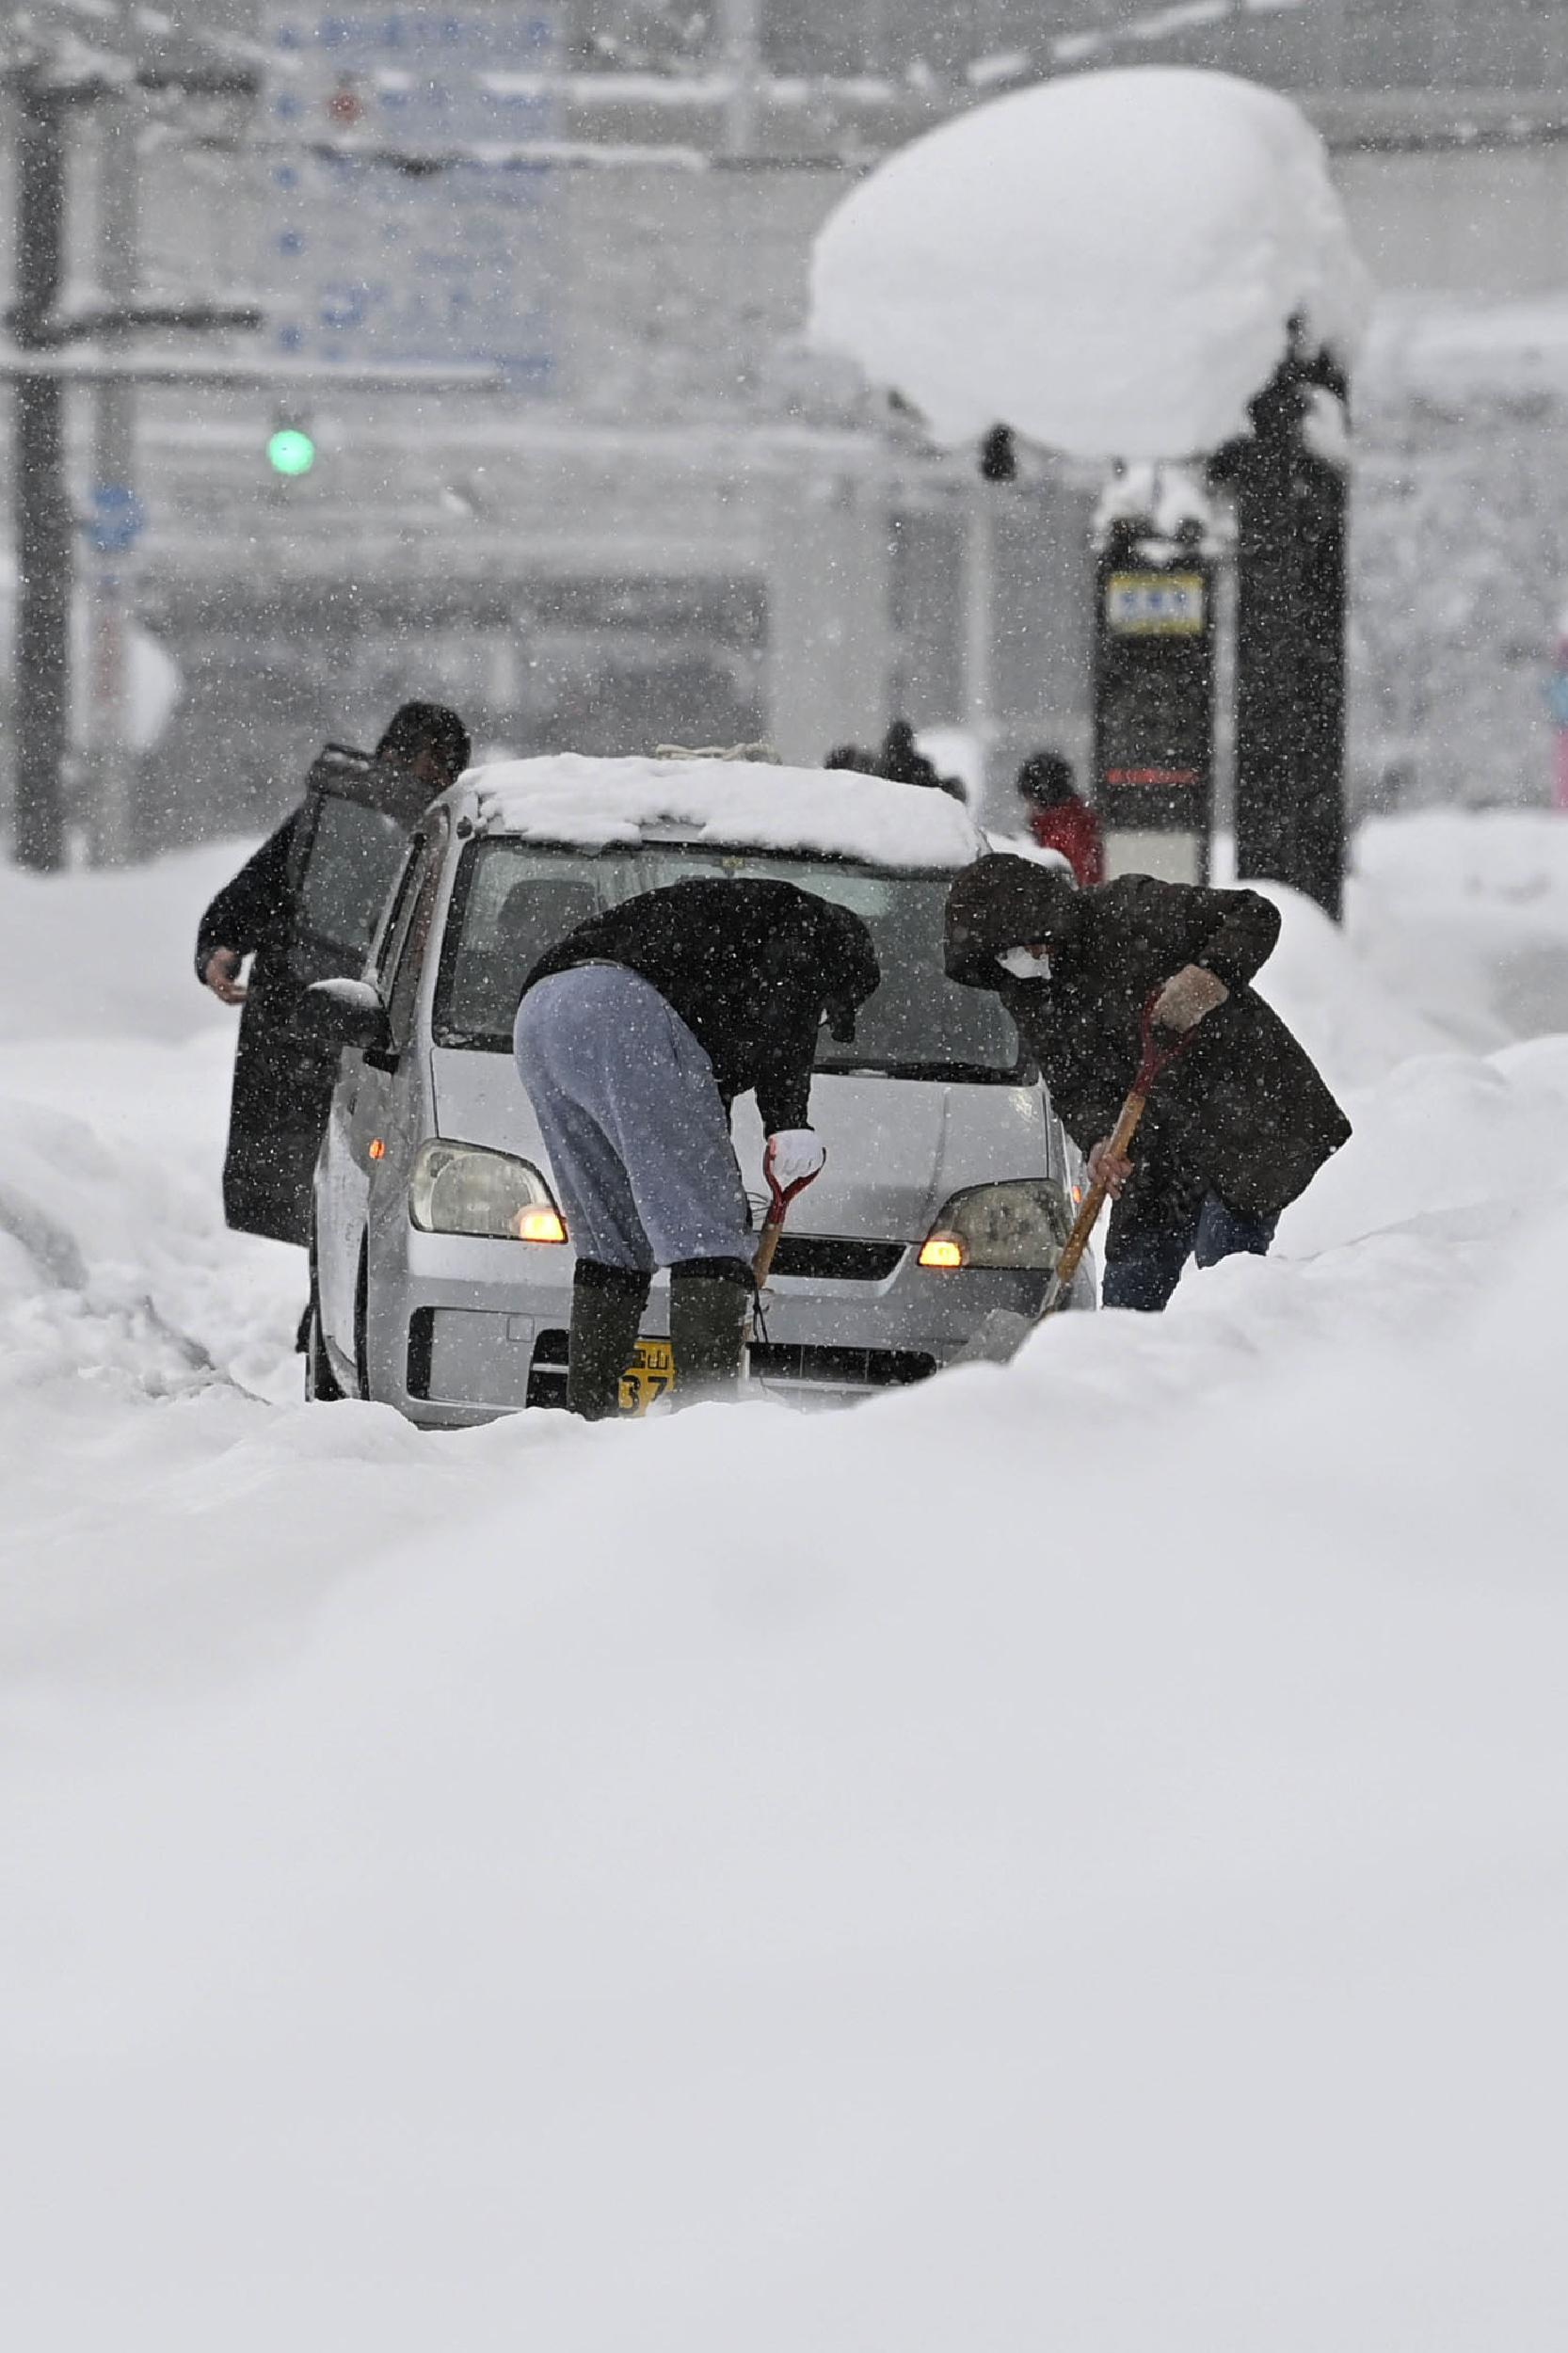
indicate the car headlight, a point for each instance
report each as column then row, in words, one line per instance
column 462, row 1189
column 1022, row 1225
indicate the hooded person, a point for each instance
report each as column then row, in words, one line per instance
column 284, row 1071
column 1236, row 1129
column 634, row 1035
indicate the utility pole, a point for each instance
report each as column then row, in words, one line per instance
column 44, row 520
column 45, row 526
column 742, row 58
column 1289, row 482
column 117, row 515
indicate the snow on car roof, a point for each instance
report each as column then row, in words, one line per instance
column 1109, row 263
column 744, row 805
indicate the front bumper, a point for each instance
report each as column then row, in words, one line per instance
column 462, row 1331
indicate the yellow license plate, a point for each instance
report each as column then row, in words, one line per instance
column 651, row 1372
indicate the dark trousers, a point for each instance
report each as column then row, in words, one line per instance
column 1143, row 1268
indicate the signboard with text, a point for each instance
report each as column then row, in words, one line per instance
column 405, row 228
column 1154, row 717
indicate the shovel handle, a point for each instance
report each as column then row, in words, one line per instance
column 1093, row 1200
column 762, row 1266
column 1160, row 1048
column 773, row 1225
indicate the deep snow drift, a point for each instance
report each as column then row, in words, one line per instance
column 1069, row 1856
column 1109, row 263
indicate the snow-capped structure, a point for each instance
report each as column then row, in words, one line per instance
column 1109, row 264
column 747, row 805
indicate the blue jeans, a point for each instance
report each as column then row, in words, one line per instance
column 632, row 1121
column 1145, row 1271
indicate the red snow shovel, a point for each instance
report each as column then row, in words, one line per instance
column 1161, row 1047
column 767, row 1243
column 773, row 1225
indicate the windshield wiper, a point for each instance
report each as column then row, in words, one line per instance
column 939, row 1073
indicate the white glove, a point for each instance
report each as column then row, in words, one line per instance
column 794, row 1157
column 1188, row 998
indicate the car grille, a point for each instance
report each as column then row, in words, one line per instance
column 836, row 1258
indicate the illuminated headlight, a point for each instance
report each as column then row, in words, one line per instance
column 1021, row 1225
column 462, row 1189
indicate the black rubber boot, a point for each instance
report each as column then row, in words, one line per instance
column 607, row 1303
column 709, row 1301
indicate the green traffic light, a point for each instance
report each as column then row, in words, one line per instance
column 290, row 450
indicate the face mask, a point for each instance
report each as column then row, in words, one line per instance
column 1026, row 963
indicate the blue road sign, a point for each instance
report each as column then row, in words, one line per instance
column 116, row 519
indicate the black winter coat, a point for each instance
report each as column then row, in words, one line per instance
column 751, row 967
column 283, row 1079
column 1243, row 1113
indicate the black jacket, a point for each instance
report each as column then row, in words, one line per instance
column 750, row 967
column 283, row 1079
column 1243, row 1113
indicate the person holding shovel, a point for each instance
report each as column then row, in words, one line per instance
column 634, row 1035
column 1239, row 1122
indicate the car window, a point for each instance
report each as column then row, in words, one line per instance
column 514, row 900
column 394, row 924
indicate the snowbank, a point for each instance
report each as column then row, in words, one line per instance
column 109, row 953
column 1468, row 917
column 1062, row 1856
column 1108, row 263
column 735, row 803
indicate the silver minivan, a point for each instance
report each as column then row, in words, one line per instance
column 441, row 1268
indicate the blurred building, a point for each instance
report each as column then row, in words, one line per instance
column 685, row 526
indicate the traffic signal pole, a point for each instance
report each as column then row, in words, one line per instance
column 44, row 520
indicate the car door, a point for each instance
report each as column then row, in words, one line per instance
column 389, row 1114
column 342, row 1173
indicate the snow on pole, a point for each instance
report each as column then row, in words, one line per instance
column 1108, row 263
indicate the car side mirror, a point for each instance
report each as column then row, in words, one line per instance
column 350, row 1012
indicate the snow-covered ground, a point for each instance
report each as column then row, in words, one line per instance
column 1071, row 1856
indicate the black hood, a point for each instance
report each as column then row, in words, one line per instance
column 1001, row 903
column 850, row 970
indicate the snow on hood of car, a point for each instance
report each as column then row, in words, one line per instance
column 742, row 805
column 1109, row 263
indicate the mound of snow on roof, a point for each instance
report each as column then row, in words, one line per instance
column 1109, row 263
column 737, row 804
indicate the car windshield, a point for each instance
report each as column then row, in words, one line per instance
column 514, row 900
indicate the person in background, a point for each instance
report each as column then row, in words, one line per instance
column 634, row 1035
column 1236, row 1128
column 1059, row 818
column 899, row 760
column 284, row 1077
column 902, row 760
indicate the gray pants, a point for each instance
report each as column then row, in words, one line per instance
column 632, row 1121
